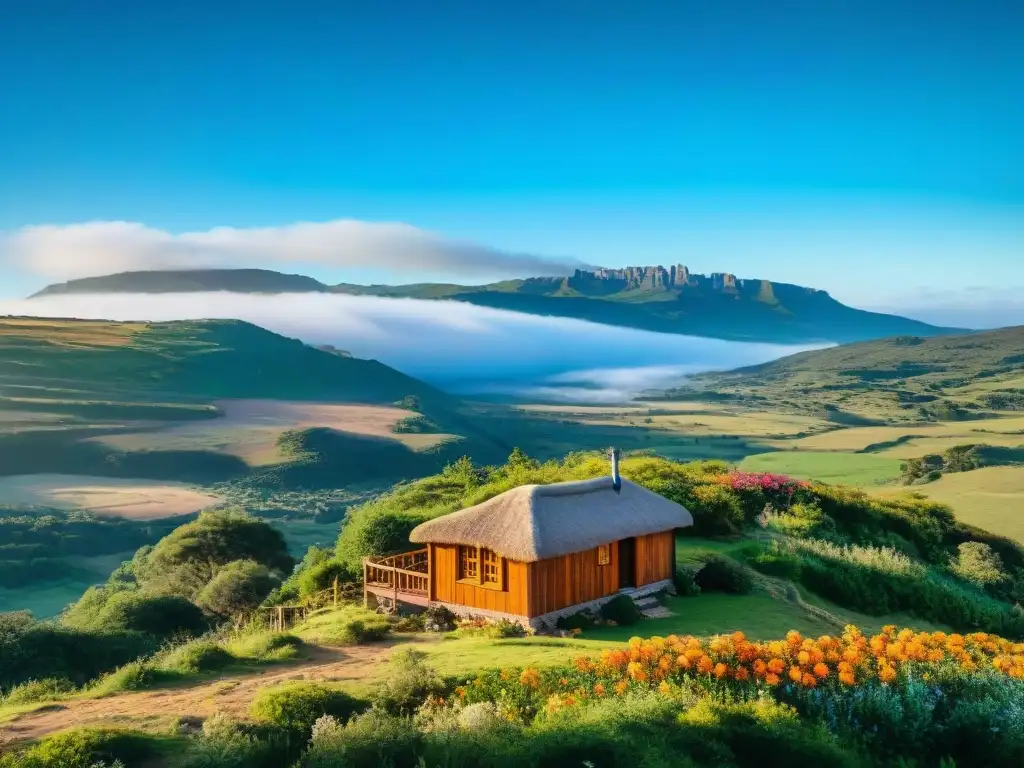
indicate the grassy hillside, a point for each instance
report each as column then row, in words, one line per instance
column 907, row 378
column 188, row 401
column 747, row 310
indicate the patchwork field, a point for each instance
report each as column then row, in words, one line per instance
column 249, row 429
column 137, row 499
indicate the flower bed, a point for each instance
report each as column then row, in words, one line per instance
column 733, row 666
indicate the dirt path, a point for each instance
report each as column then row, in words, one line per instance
column 230, row 694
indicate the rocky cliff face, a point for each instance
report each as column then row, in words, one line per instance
column 656, row 277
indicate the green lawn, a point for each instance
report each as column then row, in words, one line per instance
column 826, row 466
column 759, row 616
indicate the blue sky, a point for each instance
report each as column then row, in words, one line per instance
column 869, row 148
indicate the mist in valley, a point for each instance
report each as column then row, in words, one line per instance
column 456, row 346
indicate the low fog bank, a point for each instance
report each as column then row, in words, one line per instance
column 458, row 347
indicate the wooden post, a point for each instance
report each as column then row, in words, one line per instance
column 335, row 593
column 280, row 618
column 366, row 595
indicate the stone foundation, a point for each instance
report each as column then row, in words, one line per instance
column 468, row 612
column 547, row 621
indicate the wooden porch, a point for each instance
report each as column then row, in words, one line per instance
column 397, row 579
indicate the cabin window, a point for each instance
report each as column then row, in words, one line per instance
column 604, row 554
column 482, row 567
column 469, row 564
column 490, row 566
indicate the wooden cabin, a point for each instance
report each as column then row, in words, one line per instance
column 537, row 552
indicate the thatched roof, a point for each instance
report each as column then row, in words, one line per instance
column 533, row 522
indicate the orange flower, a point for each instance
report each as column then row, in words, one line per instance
column 795, row 674
column 776, row 666
column 599, row 689
column 620, row 687
column 771, row 678
column 529, row 678
column 847, row 678
column 821, row 670
column 636, row 671
column 721, row 670
column 705, row 665
column 742, row 674
column 760, row 668
column 809, row 680
column 803, row 657
column 887, row 674
column 682, row 662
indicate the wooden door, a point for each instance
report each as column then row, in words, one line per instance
column 627, row 563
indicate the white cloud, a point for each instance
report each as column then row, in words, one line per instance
column 102, row 247
column 456, row 346
column 963, row 307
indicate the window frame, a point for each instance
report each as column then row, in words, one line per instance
column 463, row 561
column 478, row 557
column 604, row 555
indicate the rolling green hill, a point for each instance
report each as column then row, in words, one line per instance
column 647, row 298
column 162, row 400
column 907, row 378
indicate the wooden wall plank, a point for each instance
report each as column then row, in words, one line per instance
column 560, row 582
column 654, row 554
column 511, row 600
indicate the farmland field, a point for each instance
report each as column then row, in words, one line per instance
column 863, row 469
column 991, row 498
column 137, row 499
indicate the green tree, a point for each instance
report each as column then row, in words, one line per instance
column 237, row 589
column 184, row 562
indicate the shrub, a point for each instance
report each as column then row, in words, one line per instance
column 370, row 740
column 495, row 630
column 716, row 510
column 720, row 574
column 978, row 564
column 622, row 610
column 408, row 684
column 437, row 618
column 296, row 706
column 778, row 563
column 348, row 626
column 162, row 616
column 580, row 620
column 224, row 743
column 46, row 689
column 263, row 645
column 686, row 583
column 32, row 649
column 84, row 748
column 134, row 676
column 193, row 658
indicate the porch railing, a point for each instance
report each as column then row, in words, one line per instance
column 407, row 573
